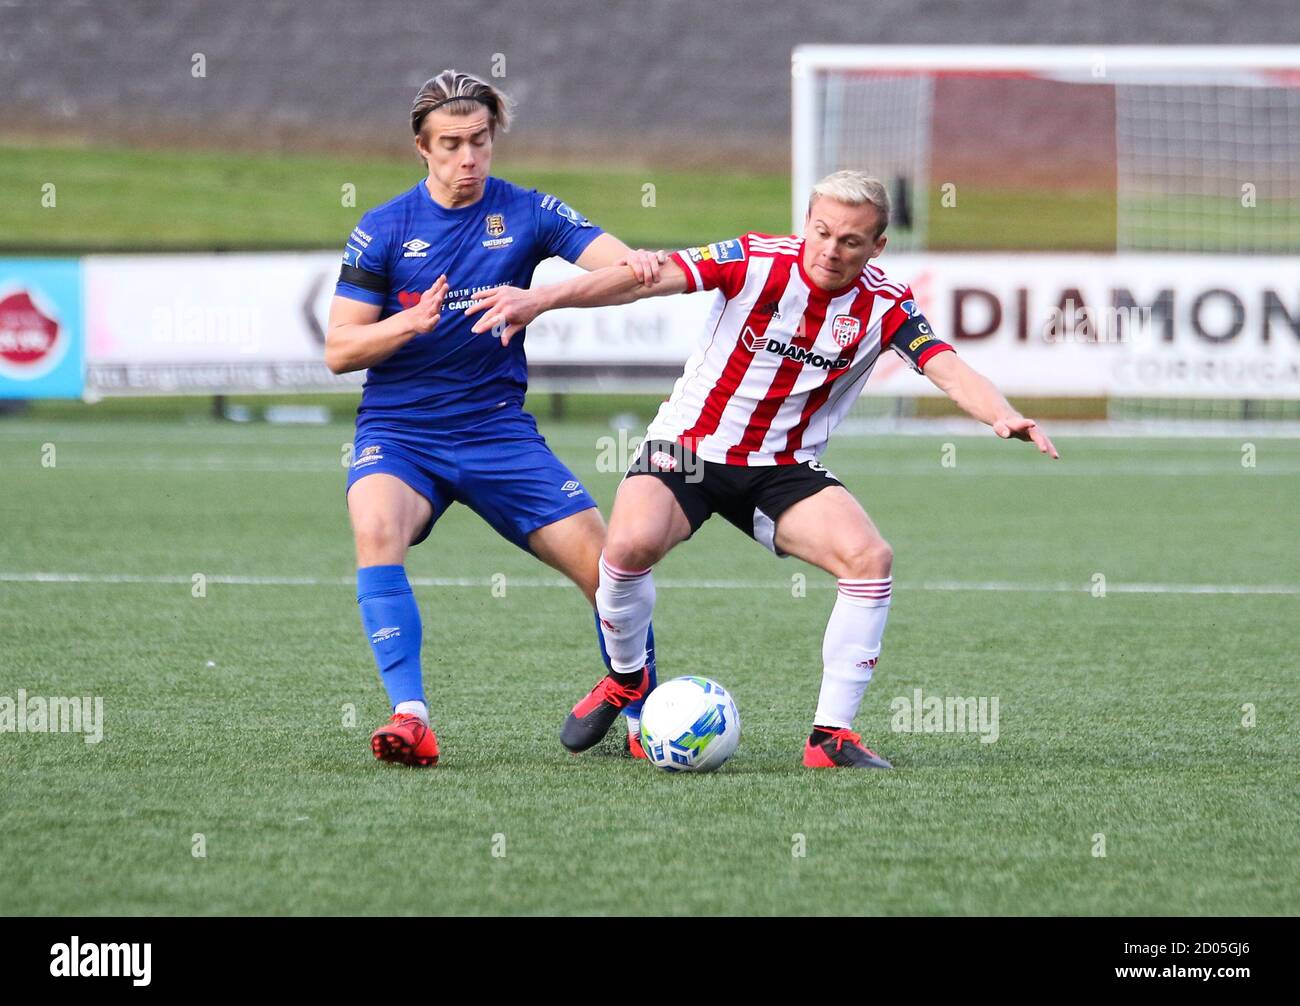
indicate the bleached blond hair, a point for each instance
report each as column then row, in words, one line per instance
column 854, row 188
column 444, row 90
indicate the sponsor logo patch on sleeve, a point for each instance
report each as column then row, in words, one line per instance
column 727, row 251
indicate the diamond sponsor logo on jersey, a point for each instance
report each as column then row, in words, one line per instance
column 663, row 461
column 415, row 248
column 496, row 224
column 801, row 354
column 844, row 329
column 752, row 342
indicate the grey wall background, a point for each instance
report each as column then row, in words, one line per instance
column 645, row 78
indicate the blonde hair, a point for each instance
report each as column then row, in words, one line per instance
column 461, row 94
column 854, row 188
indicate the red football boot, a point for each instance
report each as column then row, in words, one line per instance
column 405, row 739
column 591, row 718
column 842, row 749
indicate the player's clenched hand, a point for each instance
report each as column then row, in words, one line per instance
column 645, row 265
column 1025, row 429
column 507, row 310
column 424, row 314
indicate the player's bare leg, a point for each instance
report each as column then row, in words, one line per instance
column 646, row 523
column 386, row 516
column 832, row 531
column 572, row 546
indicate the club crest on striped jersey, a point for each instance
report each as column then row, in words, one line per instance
column 663, row 461
column 844, row 329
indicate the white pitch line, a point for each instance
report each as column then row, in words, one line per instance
column 670, row 583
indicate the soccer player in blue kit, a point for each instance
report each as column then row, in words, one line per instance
column 441, row 418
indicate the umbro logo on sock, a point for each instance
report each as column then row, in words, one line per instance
column 388, row 632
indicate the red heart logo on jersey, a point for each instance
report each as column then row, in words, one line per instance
column 407, row 299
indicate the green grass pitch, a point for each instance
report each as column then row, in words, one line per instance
column 227, row 715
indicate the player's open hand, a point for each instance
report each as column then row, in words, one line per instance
column 507, row 310
column 645, row 265
column 1020, row 428
column 424, row 314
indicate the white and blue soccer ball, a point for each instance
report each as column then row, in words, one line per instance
column 689, row 724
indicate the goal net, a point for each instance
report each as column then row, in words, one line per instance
column 1177, row 166
column 1177, row 148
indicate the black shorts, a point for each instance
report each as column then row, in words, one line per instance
column 752, row 497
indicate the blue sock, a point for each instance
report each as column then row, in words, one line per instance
column 635, row 708
column 392, row 622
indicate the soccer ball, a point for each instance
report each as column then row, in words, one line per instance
column 689, row 724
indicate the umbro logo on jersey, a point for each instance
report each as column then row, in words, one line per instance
column 415, row 248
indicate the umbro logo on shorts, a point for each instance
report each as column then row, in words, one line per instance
column 572, row 488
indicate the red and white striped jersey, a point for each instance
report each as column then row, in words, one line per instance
column 781, row 360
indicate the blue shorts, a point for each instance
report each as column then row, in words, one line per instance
column 500, row 468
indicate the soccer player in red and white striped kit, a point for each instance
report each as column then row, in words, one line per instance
column 797, row 325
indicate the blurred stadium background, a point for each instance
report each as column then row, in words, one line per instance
column 168, row 425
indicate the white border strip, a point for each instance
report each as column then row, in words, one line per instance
column 1044, row 57
column 997, row 586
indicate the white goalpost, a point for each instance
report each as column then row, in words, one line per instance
column 1187, row 148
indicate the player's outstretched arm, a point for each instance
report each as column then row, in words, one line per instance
column 507, row 309
column 355, row 339
column 975, row 394
column 608, row 250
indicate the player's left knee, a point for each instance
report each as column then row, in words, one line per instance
column 872, row 559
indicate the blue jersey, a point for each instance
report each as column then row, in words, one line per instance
column 399, row 249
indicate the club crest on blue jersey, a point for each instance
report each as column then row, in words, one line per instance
column 495, row 224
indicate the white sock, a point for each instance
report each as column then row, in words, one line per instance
column 850, row 648
column 415, row 707
column 624, row 601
